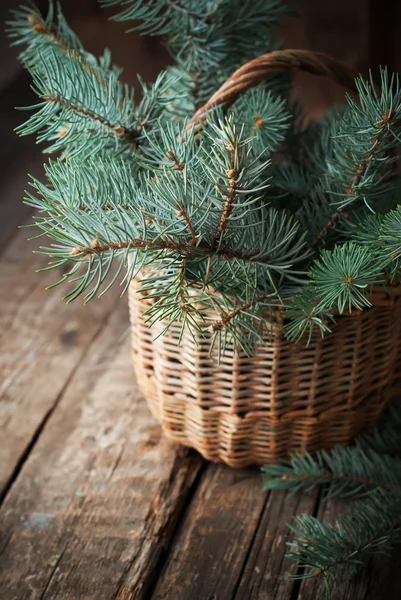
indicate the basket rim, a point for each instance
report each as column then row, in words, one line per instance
column 381, row 295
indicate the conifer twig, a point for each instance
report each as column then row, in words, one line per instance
column 361, row 170
column 226, row 319
column 228, row 205
column 232, row 189
column 118, row 131
column 184, row 248
column 344, row 478
column 40, row 28
column 171, row 155
column 334, row 551
column 183, row 213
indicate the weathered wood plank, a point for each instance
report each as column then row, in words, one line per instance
column 214, row 538
column 100, row 492
column 267, row 572
column 42, row 343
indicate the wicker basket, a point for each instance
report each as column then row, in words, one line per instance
column 259, row 409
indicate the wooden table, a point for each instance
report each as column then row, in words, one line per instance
column 96, row 504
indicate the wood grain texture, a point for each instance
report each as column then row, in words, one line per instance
column 94, row 501
column 42, row 343
column 215, row 536
column 101, row 507
column 267, row 573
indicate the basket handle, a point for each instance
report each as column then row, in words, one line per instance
column 255, row 71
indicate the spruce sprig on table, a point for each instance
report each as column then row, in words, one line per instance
column 369, row 473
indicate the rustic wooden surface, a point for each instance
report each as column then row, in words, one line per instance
column 95, row 504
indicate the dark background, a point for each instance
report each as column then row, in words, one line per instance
column 363, row 33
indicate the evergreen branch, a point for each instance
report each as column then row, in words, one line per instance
column 228, row 318
column 342, row 277
column 183, row 213
column 40, row 28
column 226, row 153
column 352, row 472
column 362, row 145
column 307, row 316
column 81, row 107
column 101, row 212
column 337, row 551
column 31, row 29
column 118, row 131
column 158, row 16
column 201, row 208
column 265, row 119
column 87, row 109
column 180, row 166
column 204, row 37
column 83, row 101
column 228, row 204
column 389, row 234
column 361, row 172
column 184, row 249
column 96, row 247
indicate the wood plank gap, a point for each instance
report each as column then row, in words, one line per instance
column 300, row 570
column 25, row 454
column 89, row 484
column 160, row 551
column 252, row 541
column 209, row 548
column 40, row 428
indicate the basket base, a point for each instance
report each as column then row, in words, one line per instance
column 285, row 398
column 241, row 441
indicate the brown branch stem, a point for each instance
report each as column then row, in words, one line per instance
column 220, row 324
column 354, row 550
column 40, row 28
column 338, row 477
column 228, row 205
column 185, row 249
column 118, row 131
column 171, row 155
column 231, row 192
column 183, row 213
column 362, row 168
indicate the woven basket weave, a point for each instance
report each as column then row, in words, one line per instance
column 259, row 409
